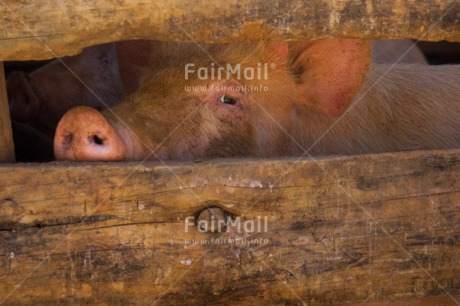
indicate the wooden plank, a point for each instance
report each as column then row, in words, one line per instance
column 426, row 301
column 6, row 133
column 42, row 29
column 347, row 229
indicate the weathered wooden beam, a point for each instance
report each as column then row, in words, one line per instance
column 426, row 301
column 344, row 229
column 41, row 29
column 6, row 133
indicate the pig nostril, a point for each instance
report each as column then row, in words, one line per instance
column 83, row 134
column 97, row 140
column 68, row 139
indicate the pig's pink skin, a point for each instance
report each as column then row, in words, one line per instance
column 135, row 149
column 74, row 141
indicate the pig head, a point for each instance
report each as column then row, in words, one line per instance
column 185, row 116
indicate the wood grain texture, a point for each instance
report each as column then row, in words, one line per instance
column 368, row 228
column 42, row 29
column 6, row 133
column 426, row 301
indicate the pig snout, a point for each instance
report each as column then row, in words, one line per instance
column 23, row 101
column 83, row 134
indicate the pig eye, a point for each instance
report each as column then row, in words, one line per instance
column 227, row 99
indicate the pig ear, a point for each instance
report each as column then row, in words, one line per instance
column 329, row 72
column 132, row 55
column 279, row 52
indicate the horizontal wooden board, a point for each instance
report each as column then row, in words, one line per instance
column 368, row 228
column 42, row 29
column 426, row 301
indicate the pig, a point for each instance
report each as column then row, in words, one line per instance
column 401, row 51
column 38, row 99
column 102, row 75
column 99, row 77
column 319, row 97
